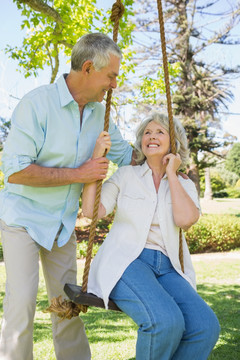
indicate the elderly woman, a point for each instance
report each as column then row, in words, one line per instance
column 138, row 264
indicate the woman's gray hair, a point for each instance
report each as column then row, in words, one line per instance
column 96, row 47
column 180, row 137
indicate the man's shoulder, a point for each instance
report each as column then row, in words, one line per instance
column 37, row 93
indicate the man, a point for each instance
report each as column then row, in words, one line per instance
column 46, row 161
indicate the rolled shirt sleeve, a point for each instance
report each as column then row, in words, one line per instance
column 24, row 140
column 120, row 152
column 191, row 190
column 111, row 190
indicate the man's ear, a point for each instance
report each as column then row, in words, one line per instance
column 87, row 67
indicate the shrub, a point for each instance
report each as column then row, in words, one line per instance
column 214, row 233
column 217, row 183
column 221, row 194
column 233, row 192
column 82, row 249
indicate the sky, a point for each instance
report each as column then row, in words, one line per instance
column 13, row 85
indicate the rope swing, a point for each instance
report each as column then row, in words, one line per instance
column 66, row 309
column 169, row 107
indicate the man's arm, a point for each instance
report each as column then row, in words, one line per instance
column 39, row 176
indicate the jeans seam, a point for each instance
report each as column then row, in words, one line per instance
column 146, row 308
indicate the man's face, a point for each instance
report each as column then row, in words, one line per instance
column 99, row 82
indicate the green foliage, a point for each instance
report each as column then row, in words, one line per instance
column 233, row 159
column 50, row 33
column 82, row 249
column 233, row 192
column 229, row 192
column 217, row 183
column 152, row 88
column 229, row 177
column 111, row 169
column 220, row 194
column 126, row 28
column 223, row 182
column 237, row 185
column 214, row 233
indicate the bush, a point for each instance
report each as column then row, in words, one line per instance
column 214, row 233
column 221, row 194
column 233, row 193
column 82, row 249
column 217, row 183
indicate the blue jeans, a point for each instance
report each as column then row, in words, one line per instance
column 174, row 321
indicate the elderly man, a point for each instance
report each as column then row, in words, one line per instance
column 46, row 161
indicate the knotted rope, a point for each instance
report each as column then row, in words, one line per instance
column 67, row 309
column 169, row 107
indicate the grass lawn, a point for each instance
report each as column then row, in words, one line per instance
column 112, row 335
column 218, row 278
column 221, row 206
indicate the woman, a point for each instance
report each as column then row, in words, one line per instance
column 138, row 264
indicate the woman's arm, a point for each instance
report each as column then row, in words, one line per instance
column 185, row 212
column 103, row 145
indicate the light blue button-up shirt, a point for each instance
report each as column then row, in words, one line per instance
column 46, row 131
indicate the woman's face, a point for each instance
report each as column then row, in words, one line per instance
column 155, row 140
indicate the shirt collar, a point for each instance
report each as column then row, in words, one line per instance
column 145, row 169
column 65, row 95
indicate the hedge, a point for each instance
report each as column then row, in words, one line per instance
column 211, row 233
column 214, row 233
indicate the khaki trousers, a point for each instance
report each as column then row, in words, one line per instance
column 21, row 257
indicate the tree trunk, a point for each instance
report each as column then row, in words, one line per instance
column 193, row 174
column 208, row 187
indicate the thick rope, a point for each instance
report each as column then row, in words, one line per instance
column 68, row 309
column 117, row 12
column 169, row 106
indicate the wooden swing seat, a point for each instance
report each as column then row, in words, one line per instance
column 75, row 293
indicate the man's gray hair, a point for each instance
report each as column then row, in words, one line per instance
column 180, row 137
column 96, row 47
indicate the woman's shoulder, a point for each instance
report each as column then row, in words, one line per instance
column 187, row 183
column 130, row 169
column 125, row 173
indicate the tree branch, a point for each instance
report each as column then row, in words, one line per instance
column 40, row 6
